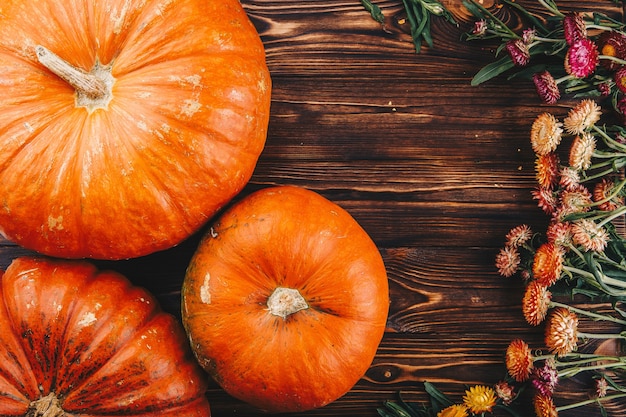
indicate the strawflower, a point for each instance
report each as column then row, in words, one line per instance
column 455, row 410
column 562, row 331
column 548, row 263
column 546, row 87
column 545, row 133
column 480, row 399
column 519, row 360
column 582, row 117
column 582, row 58
column 582, row 52
column 505, row 392
column 581, row 151
column 547, row 170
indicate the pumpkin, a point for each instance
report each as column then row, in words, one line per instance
column 125, row 124
column 77, row 341
column 285, row 300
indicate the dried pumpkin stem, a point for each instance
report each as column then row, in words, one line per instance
column 48, row 406
column 85, row 83
column 286, row 301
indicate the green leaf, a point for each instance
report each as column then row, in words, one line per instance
column 437, row 395
column 492, row 70
column 374, row 10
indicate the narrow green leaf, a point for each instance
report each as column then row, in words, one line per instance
column 437, row 395
column 492, row 70
column 374, row 10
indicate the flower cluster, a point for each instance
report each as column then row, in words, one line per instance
column 477, row 401
column 573, row 53
column 580, row 187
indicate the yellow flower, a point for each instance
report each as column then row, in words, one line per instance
column 456, row 410
column 480, row 399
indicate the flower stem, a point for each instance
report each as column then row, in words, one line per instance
column 590, row 401
column 595, row 316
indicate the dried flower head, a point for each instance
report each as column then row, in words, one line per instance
column 545, row 134
column 519, row 360
column 569, row 178
column 574, row 27
column 544, row 406
column 581, row 151
column 480, row 399
column 505, row 392
column 559, row 233
column 582, row 58
column 518, row 51
column 548, row 263
column 507, row 261
column 547, row 169
column 545, row 378
column 590, row 235
column 577, row 200
column 561, row 331
column 546, row 87
column 518, row 235
column 602, row 386
column 603, row 195
column 620, row 79
column 612, row 44
column 528, row 36
column 455, row 410
column 546, row 200
column 536, row 302
column 480, row 27
column 580, row 118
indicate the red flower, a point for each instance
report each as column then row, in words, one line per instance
column 574, row 28
column 612, row 43
column 518, row 51
column 620, row 79
column 582, row 58
column 546, row 87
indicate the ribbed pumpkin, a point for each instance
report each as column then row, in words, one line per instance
column 125, row 124
column 286, row 299
column 75, row 341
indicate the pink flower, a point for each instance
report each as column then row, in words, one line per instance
column 574, row 28
column 546, row 87
column 518, row 51
column 545, row 379
column 582, row 58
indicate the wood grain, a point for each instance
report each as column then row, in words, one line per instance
column 435, row 170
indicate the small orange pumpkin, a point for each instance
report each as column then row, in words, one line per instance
column 75, row 341
column 125, row 124
column 285, row 301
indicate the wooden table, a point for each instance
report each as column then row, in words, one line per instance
column 435, row 170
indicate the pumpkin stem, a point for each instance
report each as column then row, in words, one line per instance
column 286, row 301
column 93, row 88
column 48, row 406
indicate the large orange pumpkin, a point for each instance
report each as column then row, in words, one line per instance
column 75, row 341
column 285, row 301
column 125, row 124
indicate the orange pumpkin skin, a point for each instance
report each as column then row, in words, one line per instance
column 186, row 122
column 286, row 237
column 92, row 344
